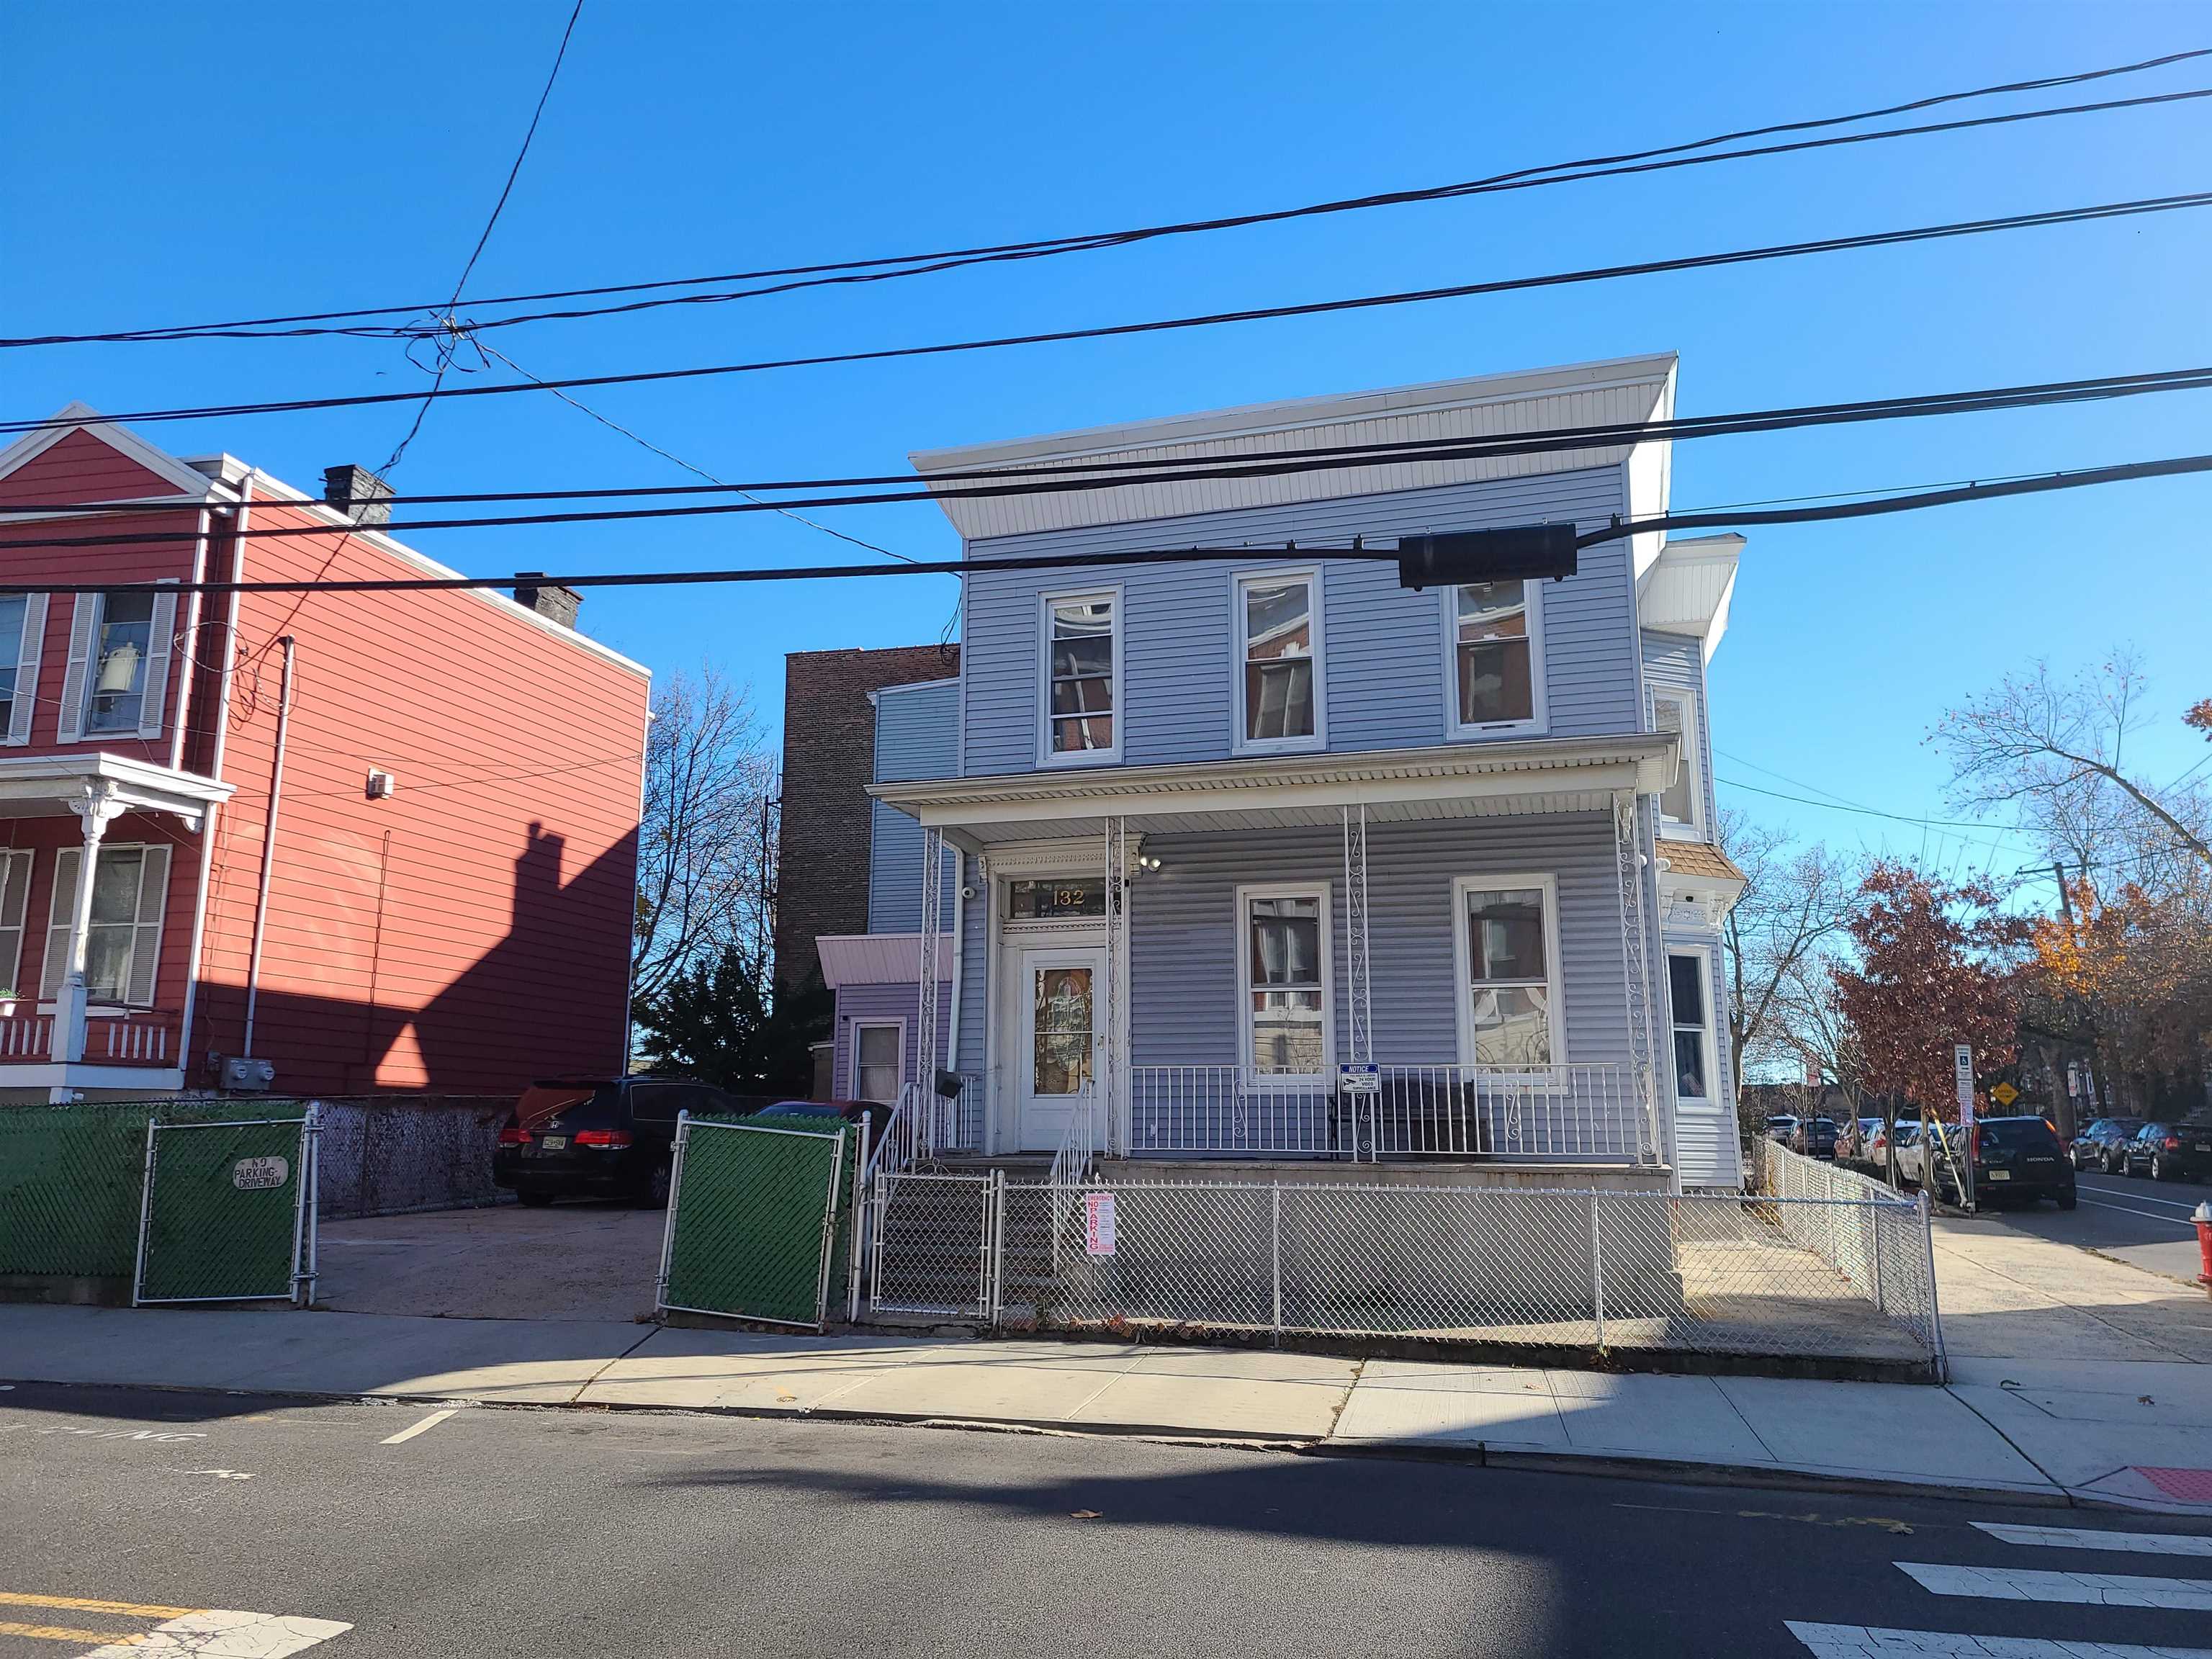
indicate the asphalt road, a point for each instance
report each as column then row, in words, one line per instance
column 2138, row 1220
column 563, row 1535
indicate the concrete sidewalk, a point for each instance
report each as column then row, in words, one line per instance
column 2128, row 1433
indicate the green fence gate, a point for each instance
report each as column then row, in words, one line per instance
column 227, row 1211
column 757, row 1220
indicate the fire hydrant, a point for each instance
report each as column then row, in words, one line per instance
column 2203, row 1220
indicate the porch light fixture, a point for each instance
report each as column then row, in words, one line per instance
column 1527, row 551
column 1148, row 861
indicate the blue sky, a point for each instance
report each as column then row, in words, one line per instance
column 160, row 170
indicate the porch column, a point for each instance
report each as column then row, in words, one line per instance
column 926, row 1104
column 1106, row 1130
column 1360, row 1019
column 97, row 808
column 1633, row 865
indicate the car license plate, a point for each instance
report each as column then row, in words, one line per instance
column 552, row 1143
column 2205, row 1146
column 1999, row 1175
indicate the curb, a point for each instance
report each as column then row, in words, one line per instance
column 1475, row 1454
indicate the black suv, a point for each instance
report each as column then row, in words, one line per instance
column 2017, row 1160
column 2101, row 1146
column 597, row 1138
column 2170, row 1150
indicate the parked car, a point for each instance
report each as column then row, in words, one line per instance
column 1857, row 1135
column 2015, row 1160
column 2100, row 1146
column 873, row 1113
column 598, row 1137
column 1876, row 1156
column 1781, row 1127
column 1815, row 1137
column 2169, row 1151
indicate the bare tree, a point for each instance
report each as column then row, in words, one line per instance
column 1794, row 902
column 705, row 871
column 2053, row 751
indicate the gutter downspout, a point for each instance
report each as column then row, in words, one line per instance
column 212, row 816
column 268, row 843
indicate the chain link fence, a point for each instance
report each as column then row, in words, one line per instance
column 1836, row 1277
column 228, row 1214
column 757, row 1219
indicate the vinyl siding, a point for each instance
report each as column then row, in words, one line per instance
column 1677, row 663
column 917, row 736
column 1183, row 933
column 862, row 1004
column 1383, row 645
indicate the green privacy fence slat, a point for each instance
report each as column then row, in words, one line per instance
column 72, row 1176
column 745, row 1229
column 222, row 1212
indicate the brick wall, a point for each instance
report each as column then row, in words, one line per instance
column 828, row 759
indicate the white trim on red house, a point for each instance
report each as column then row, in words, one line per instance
column 125, row 443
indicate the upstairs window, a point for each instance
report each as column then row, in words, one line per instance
column 1508, row 927
column 1082, row 678
column 1681, row 809
column 1495, row 659
column 1278, row 659
column 123, row 638
column 13, row 608
column 1285, row 982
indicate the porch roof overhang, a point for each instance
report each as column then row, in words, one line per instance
column 1458, row 780
column 55, row 786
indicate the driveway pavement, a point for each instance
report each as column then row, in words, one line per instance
column 584, row 1260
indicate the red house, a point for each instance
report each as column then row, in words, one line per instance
column 340, row 843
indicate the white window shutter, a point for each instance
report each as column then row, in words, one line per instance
column 80, row 625
column 15, row 895
column 163, row 637
column 26, row 669
column 54, row 968
column 146, row 939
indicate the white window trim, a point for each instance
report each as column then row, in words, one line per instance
column 18, row 864
column 853, row 1065
column 1253, row 1077
column 1704, row 958
column 1693, row 773
column 1046, row 754
column 1238, row 619
column 1555, row 1075
column 1539, row 718
column 121, row 1005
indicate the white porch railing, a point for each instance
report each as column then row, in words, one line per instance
column 1578, row 1111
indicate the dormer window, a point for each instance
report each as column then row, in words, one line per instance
column 1494, row 659
column 1681, row 808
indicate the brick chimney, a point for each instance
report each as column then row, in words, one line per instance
column 359, row 494
column 547, row 598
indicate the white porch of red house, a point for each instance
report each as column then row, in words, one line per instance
column 1372, row 1103
column 118, row 1023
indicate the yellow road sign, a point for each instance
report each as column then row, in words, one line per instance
column 2004, row 1094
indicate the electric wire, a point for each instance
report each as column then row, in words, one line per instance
column 2043, row 219
column 1525, row 178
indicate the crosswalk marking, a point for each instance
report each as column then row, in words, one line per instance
column 1864, row 1642
column 2109, row 1589
column 223, row 1633
column 2085, row 1538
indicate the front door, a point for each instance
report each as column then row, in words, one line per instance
column 1059, row 1000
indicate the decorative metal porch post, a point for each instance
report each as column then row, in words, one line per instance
column 927, row 1105
column 1359, row 1018
column 1107, row 1136
column 1636, row 961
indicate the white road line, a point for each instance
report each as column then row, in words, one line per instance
column 423, row 1427
column 2098, row 1589
column 222, row 1633
column 2086, row 1538
column 2150, row 1215
column 2148, row 1198
column 1862, row 1642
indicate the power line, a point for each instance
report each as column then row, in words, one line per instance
column 1865, row 811
column 615, row 425
column 1118, row 331
column 446, row 350
column 889, row 266
column 1618, row 529
column 1334, row 459
column 1105, row 474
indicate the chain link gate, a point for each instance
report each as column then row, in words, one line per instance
column 754, row 1224
column 227, row 1212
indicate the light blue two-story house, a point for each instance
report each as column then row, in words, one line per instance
column 1265, row 856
